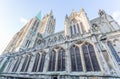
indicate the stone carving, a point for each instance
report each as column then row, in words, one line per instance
column 101, row 12
column 95, row 27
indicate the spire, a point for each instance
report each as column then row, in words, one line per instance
column 51, row 12
column 82, row 10
column 38, row 16
column 66, row 16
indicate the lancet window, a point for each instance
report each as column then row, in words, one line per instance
column 115, row 54
column 16, row 64
column 91, row 61
column 84, row 52
column 61, row 60
column 76, row 64
column 41, row 64
column 52, row 61
column 26, row 64
column 57, row 60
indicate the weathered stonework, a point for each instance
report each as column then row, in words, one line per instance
column 36, row 52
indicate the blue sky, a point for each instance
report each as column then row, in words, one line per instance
column 15, row 13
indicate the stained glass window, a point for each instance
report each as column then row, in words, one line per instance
column 52, row 61
column 71, row 31
column 93, row 58
column 72, row 55
column 36, row 62
column 16, row 65
column 78, row 28
column 74, row 29
column 91, row 61
column 87, row 58
column 9, row 65
column 75, row 59
column 78, row 59
column 24, row 63
column 41, row 65
column 113, row 51
column 27, row 64
column 61, row 60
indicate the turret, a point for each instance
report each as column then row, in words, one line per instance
column 48, row 25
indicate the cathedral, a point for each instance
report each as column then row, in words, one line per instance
column 85, row 49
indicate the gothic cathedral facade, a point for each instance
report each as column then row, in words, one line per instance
column 85, row 49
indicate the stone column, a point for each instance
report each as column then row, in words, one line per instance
column 67, row 58
column 46, row 64
column 82, row 59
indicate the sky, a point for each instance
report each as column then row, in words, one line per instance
column 15, row 13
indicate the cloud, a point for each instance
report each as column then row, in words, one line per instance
column 23, row 20
column 116, row 16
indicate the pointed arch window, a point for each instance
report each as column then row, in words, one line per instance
column 93, row 58
column 34, row 23
column 9, row 65
column 16, row 64
column 91, row 61
column 113, row 51
column 74, row 29
column 41, row 65
column 27, row 43
column 61, row 60
column 75, row 59
column 52, row 61
column 26, row 63
column 82, row 27
column 36, row 27
column 78, row 27
column 36, row 62
column 71, row 31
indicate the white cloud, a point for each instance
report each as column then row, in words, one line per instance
column 116, row 15
column 23, row 20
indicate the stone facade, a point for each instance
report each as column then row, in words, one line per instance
column 85, row 49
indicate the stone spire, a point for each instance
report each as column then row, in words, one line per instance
column 38, row 16
column 51, row 12
column 82, row 10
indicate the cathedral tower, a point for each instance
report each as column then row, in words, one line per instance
column 26, row 36
column 47, row 25
column 76, row 23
